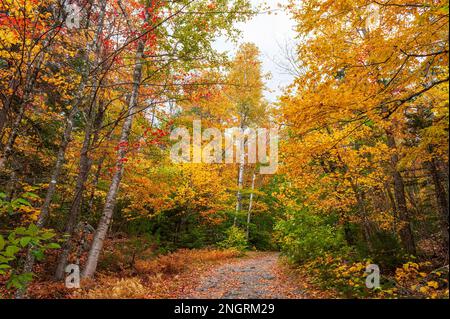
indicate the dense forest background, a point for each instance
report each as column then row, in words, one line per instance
column 88, row 106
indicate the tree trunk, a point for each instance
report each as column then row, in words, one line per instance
column 3, row 117
column 45, row 208
column 84, row 168
column 441, row 199
column 12, row 137
column 240, row 180
column 83, row 175
column 239, row 192
column 33, row 69
column 102, row 229
column 250, row 204
column 367, row 231
column 22, row 107
column 405, row 229
column 94, row 120
column 387, row 186
column 57, row 168
column 95, row 184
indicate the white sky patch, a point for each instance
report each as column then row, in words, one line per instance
column 271, row 33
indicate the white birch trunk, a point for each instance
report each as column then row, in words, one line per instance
column 250, row 205
column 102, row 229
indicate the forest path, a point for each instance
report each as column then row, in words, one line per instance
column 257, row 276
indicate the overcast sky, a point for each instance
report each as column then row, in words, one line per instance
column 269, row 32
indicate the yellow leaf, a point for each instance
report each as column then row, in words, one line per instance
column 433, row 284
column 423, row 290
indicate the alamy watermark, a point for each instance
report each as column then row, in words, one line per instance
column 236, row 145
column 73, row 12
column 373, row 276
column 373, row 19
column 73, row 277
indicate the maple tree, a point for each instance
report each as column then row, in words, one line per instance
column 365, row 120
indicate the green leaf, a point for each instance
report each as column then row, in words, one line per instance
column 33, row 230
column 20, row 231
column 19, row 281
column 4, row 260
column 11, row 251
column 13, row 283
column 38, row 254
column 22, row 201
column 53, row 246
column 2, row 242
column 444, row 9
column 26, row 277
column 12, row 236
column 47, row 235
column 30, row 195
column 25, row 241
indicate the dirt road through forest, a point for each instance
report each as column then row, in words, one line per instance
column 255, row 277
